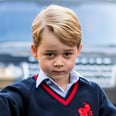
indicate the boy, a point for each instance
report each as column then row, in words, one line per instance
column 57, row 90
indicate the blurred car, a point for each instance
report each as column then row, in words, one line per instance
column 97, row 61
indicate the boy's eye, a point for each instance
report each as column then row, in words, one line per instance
column 49, row 54
column 68, row 54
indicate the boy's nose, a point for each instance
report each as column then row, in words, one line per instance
column 58, row 63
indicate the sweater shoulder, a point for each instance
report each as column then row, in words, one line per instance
column 16, row 97
column 22, row 86
column 89, row 84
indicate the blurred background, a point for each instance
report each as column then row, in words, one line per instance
column 97, row 61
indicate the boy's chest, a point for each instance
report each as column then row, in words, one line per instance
column 76, row 103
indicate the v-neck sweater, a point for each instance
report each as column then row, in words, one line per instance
column 83, row 99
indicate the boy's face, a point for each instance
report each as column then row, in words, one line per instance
column 55, row 58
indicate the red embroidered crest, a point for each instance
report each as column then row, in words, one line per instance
column 86, row 110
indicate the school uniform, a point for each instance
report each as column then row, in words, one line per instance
column 41, row 96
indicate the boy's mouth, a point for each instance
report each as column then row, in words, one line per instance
column 58, row 72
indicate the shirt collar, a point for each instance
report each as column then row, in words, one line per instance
column 42, row 77
column 74, row 77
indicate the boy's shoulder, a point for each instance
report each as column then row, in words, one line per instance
column 83, row 82
column 28, row 81
column 21, row 85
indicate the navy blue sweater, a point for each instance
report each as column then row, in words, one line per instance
column 84, row 99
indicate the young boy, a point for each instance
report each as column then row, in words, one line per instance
column 57, row 90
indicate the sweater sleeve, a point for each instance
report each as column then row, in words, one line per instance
column 14, row 99
column 106, row 108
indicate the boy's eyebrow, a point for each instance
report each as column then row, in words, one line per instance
column 66, row 50
column 50, row 51
column 69, row 50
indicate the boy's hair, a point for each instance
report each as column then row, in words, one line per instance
column 63, row 22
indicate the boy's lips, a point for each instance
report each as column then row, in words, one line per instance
column 58, row 72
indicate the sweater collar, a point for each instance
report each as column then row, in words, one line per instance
column 74, row 77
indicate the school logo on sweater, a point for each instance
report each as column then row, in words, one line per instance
column 85, row 110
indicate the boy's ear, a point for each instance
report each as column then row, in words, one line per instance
column 34, row 51
column 79, row 49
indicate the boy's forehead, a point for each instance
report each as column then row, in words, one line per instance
column 49, row 38
column 54, row 46
column 50, row 42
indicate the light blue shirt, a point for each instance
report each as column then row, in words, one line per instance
column 74, row 77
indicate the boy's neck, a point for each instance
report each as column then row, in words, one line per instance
column 63, row 83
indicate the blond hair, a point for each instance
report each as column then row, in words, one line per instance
column 62, row 21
